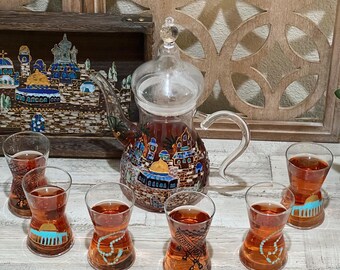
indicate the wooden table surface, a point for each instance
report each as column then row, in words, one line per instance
column 263, row 161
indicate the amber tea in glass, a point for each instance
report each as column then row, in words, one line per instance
column 47, row 190
column 269, row 205
column 189, row 216
column 23, row 151
column 308, row 165
column 110, row 206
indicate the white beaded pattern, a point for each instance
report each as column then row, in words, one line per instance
column 105, row 255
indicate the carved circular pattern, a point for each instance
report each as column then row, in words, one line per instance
column 220, row 66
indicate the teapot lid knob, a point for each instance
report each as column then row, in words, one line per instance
column 167, row 86
column 169, row 32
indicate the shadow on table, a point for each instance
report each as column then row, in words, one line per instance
column 114, row 164
column 325, row 197
column 7, row 186
column 232, row 183
column 88, row 239
column 336, row 167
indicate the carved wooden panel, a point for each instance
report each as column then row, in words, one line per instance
column 13, row 4
column 272, row 118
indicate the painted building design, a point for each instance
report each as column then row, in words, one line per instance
column 152, row 149
column 48, row 235
column 64, row 67
column 311, row 208
column 37, row 90
column 39, row 65
column 135, row 153
column 25, row 59
column 54, row 98
column 164, row 154
column 154, row 173
column 184, row 155
column 158, row 176
column 8, row 77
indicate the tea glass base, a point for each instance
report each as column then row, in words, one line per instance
column 184, row 267
column 47, row 251
column 180, row 264
column 126, row 264
column 21, row 213
column 302, row 223
column 254, row 265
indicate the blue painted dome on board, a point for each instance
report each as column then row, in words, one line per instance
column 5, row 62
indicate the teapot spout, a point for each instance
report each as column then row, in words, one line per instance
column 123, row 129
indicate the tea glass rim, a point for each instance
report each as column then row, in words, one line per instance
column 22, row 133
column 329, row 165
column 167, row 213
column 250, row 206
column 133, row 199
column 44, row 168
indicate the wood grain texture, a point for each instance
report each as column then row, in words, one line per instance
column 14, row 4
column 262, row 161
column 85, row 6
column 45, row 21
column 94, row 6
column 72, row 5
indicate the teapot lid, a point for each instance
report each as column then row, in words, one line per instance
column 167, row 86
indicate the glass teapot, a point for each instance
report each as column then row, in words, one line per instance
column 163, row 153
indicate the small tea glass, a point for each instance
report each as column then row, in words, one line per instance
column 47, row 190
column 308, row 165
column 110, row 207
column 189, row 215
column 23, row 151
column 269, row 205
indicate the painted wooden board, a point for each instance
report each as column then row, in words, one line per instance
column 45, row 74
column 263, row 161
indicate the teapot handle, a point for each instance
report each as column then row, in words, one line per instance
column 209, row 119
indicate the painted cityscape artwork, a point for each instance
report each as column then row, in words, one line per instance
column 58, row 98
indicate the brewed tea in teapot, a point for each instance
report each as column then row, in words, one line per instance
column 163, row 153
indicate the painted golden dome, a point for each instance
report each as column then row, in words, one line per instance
column 24, row 50
column 159, row 166
column 48, row 227
column 37, row 78
column 312, row 198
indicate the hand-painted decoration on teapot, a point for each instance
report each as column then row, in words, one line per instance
column 163, row 153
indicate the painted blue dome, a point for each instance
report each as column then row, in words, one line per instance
column 5, row 62
column 87, row 87
column 65, row 72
